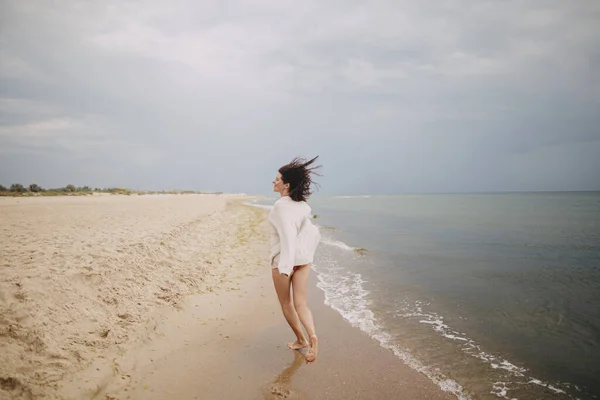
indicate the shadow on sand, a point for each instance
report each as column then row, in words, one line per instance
column 282, row 388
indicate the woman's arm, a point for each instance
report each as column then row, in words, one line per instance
column 287, row 239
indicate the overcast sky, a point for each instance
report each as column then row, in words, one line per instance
column 395, row 96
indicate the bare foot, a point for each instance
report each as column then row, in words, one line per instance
column 297, row 345
column 311, row 354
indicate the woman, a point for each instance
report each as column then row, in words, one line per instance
column 294, row 240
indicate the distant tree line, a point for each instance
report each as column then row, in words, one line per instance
column 35, row 188
column 17, row 189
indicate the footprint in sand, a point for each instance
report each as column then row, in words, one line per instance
column 281, row 388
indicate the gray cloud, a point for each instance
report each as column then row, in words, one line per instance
column 395, row 95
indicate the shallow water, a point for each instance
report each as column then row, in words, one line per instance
column 490, row 295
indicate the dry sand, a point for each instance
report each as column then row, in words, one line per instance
column 165, row 297
column 82, row 277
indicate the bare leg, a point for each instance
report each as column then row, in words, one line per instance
column 282, row 287
column 299, row 281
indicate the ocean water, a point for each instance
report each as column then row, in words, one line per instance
column 489, row 295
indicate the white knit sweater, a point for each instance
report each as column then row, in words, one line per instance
column 293, row 237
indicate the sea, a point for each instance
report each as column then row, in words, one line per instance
column 488, row 295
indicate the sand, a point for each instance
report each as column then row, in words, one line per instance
column 165, row 297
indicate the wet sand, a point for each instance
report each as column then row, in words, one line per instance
column 239, row 352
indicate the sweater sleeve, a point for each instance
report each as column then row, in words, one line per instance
column 287, row 240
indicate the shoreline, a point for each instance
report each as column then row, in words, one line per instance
column 225, row 340
column 233, row 354
column 222, row 351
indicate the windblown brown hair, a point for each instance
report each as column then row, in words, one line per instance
column 298, row 173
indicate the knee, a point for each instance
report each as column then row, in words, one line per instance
column 300, row 306
column 286, row 303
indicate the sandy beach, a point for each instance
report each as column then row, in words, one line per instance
column 165, row 297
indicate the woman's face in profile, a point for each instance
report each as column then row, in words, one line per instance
column 278, row 185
